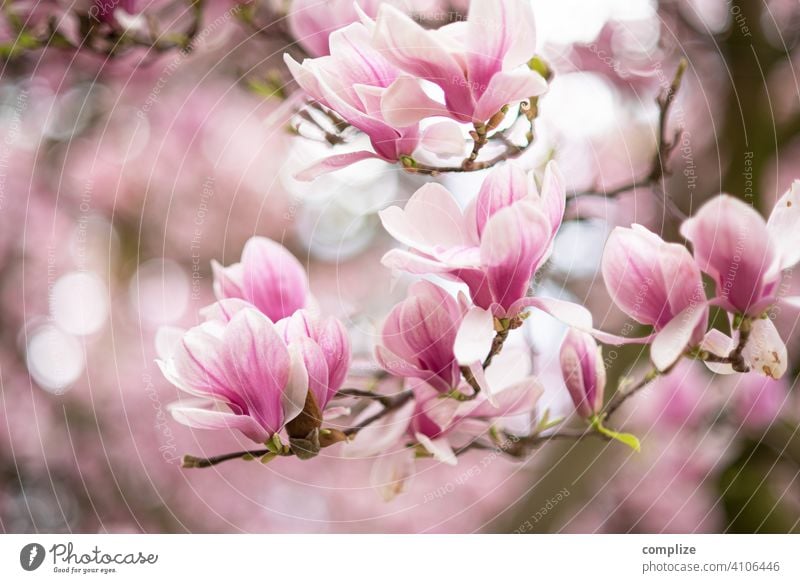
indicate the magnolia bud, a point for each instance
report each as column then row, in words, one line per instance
column 583, row 371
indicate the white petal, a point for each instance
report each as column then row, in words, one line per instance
column 440, row 449
column 671, row 342
column 474, row 337
column 765, row 351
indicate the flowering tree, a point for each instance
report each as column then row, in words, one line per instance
column 399, row 239
column 265, row 362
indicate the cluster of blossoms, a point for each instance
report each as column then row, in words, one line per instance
column 417, row 92
column 264, row 362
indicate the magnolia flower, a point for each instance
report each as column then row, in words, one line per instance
column 354, row 82
column 584, row 372
column 744, row 254
column 494, row 246
column 658, row 284
column 746, row 257
column 480, row 65
column 442, row 426
column 244, row 374
column 312, row 21
column 431, row 334
column 268, row 277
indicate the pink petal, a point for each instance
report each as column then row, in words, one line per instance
column 258, row 364
column 224, row 310
column 197, row 365
column 507, row 88
column 673, row 340
column 731, row 243
column 720, row 344
column 569, row 313
column 331, row 164
column 444, row 138
column 630, row 267
column 430, row 219
column 405, row 103
column 317, row 369
column 503, row 186
column 293, row 399
column 783, row 226
column 274, row 280
column 409, row 262
column 207, row 418
column 420, row 53
column 553, row 198
column 502, row 35
column 227, row 280
column 512, row 245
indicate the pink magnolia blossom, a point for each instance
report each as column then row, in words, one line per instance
column 658, row 284
column 764, row 352
column 322, row 342
column 354, row 82
column 311, row 22
column 269, row 277
column 746, row 257
column 480, row 65
column 744, row 254
column 442, row 426
column 244, row 374
column 325, row 347
column 584, row 372
column 431, row 334
column 494, row 246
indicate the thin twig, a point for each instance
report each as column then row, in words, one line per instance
column 659, row 168
column 190, row 461
column 396, row 402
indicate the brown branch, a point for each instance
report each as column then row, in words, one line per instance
column 510, row 152
column 396, row 402
column 659, row 168
column 497, row 345
column 190, row 461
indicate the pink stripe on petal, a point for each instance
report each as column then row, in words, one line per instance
column 331, row 164
column 203, row 418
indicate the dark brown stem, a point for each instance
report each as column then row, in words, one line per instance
column 511, row 151
column 497, row 346
column 471, row 381
column 363, row 394
column 390, row 404
column 190, row 461
column 396, row 402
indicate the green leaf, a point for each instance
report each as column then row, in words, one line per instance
column 628, row 439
